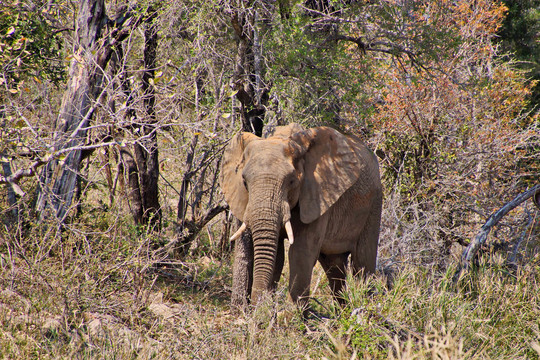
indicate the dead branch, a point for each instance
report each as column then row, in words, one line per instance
column 194, row 227
column 14, row 178
column 470, row 252
column 30, row 170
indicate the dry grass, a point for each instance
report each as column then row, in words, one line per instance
column 111, row 295
column 490, row 314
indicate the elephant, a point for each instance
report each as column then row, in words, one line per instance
column 317, row 188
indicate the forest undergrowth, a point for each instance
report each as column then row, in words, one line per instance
column 115, row 294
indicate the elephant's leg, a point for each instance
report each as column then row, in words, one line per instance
column 364, row 256
column 335, row 267
column 301, row 263
column 278, row 268
column 303, row 255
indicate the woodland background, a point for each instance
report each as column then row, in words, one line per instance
column 114, row 232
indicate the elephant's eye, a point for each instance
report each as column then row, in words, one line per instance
column 245, row 184
column 293, row 181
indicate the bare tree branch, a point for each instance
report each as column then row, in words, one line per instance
column 30, row 170
column 471, row 250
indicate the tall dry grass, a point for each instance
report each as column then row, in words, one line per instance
column 114, row 294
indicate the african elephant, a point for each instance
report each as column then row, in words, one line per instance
column 316, row 187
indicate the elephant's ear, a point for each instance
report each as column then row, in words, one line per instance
column 230, row 177
column 331, row 166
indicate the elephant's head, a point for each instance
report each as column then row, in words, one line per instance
column 265, row 179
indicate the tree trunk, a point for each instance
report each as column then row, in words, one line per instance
column 253, row 97
column 242, row 271
column 248, row 74
column 59, row 178
column 146, row 152
column 134, row 192
column 142, row 163
column 130, row 171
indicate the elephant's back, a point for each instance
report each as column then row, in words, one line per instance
column 370, row 171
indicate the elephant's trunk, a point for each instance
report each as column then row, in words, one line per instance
column 265, row 220
column 265, row 236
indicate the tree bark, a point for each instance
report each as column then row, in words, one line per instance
column 58, row 178
column 242, row 271
column 134, row 191
column 146, row 152
column 141, row 164
column 248, row 73
column 128, row 166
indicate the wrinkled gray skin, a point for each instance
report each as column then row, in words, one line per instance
column 328, row 186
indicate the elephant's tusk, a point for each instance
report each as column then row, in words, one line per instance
column 239, row 232
column 288, row 228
